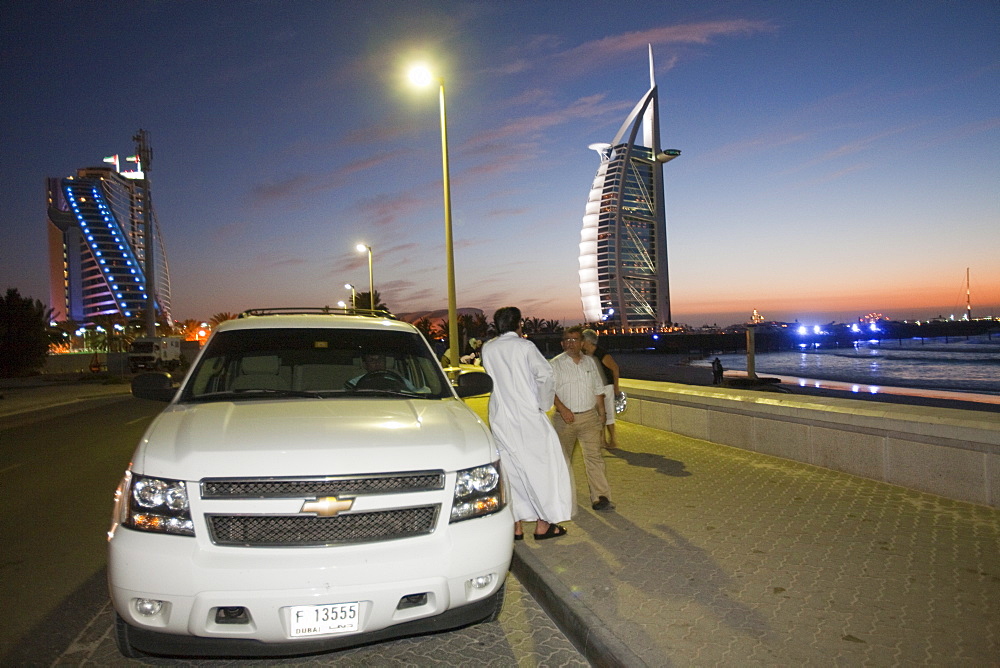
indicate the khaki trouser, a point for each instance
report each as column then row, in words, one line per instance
column 586, row 427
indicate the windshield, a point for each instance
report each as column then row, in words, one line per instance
column 298, row 362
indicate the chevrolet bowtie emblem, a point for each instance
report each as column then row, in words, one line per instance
column 327, row 506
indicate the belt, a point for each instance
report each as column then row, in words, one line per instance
column 582, row 412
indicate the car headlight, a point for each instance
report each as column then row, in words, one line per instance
column 156, row 504
column 478, row 492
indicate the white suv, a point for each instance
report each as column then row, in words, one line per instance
column 315, row 483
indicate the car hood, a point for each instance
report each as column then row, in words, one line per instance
column 312, row 437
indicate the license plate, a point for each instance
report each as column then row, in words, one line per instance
column 317, row 620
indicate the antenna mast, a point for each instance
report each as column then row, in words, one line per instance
column 145, row 155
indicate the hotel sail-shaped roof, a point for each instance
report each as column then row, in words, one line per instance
column 623, row 243
column 103, row 238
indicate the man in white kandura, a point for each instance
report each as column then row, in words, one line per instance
column 532, row 459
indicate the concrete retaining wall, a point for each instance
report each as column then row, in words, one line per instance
column 116, row 363
column 944, row 451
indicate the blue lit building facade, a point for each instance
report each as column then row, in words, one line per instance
column 623, row 244
column 98, row 238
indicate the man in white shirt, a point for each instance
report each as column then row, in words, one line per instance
column 579, row 413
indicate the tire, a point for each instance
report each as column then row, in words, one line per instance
column 123, row 642
column 497, row 601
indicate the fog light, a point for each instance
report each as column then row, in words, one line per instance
column 147, row 607
column 232, row 614
column 482, row 581
column 412, row 601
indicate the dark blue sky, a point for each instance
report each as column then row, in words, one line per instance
column 838, row 158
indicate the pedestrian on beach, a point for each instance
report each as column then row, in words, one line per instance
column 609, row 372
column 579, row 413
column 533, row 462
column 717, row 371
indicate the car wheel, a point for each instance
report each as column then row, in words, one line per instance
column 497, row 604
column 122, row 640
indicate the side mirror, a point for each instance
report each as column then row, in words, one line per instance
column 154, row 386
column 473, row 383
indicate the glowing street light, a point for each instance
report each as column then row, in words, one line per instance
column 371, row 281
column 354, row 294
column 420, row 75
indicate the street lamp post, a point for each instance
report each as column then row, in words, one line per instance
column 421, row 76
column 371, row 281
column 354, row 295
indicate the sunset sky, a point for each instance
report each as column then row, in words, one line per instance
column 838, row 158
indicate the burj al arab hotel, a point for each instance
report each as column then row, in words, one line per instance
column 623, row 244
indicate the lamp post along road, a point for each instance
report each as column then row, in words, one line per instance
column 371, row 281
column 354, row 295
column 449, row 247
column 421, row 76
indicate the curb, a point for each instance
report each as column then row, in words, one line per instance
column 10, row 407
column 585, row 629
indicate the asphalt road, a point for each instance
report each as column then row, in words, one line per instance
column 58, row 471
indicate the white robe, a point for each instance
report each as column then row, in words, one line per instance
column 532, row 458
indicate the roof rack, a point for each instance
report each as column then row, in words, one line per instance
column 318, row 310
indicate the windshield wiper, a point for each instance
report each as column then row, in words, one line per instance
column 408, row 394
column 255, row 393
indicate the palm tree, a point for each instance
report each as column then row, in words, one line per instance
column 480, row 326
column 465, row 324
column 532, row 325
column 109, row 333
column 552, row 326
column 425, row 327
column 24, row 338
column 188, row 329
column 220, row 318
column 441, row 331
column 362, row 300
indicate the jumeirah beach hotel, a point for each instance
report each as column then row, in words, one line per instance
column 623, row 243
column 98, row 236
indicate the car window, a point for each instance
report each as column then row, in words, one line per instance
column 316, row 362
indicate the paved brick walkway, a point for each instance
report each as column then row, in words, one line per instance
column 718, row 556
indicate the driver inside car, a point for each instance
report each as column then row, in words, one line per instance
column 375, row 364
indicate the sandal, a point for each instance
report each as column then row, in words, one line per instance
column 554, row 531
column 519, row 536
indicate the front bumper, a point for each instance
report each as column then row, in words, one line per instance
column 194, row 579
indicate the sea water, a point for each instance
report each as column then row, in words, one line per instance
column 962, row 365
